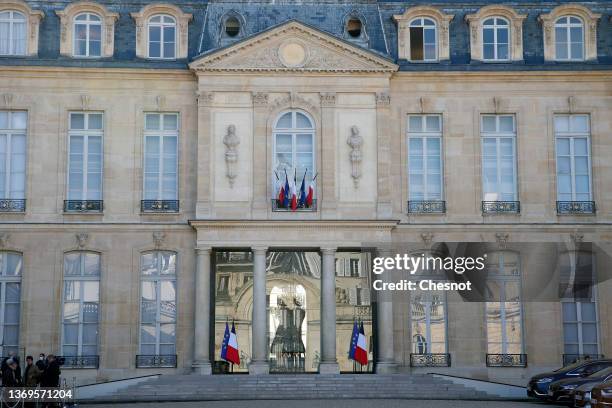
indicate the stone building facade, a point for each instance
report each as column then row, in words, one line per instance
column 144, row 145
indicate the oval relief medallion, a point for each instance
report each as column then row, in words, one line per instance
column 292, row 54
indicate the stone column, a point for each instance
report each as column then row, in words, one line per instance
column 328, row 198
column 201, row 358
column 329, row 363
column 384, row 206
column 385, row 363
column 261, row 198
column 259, row 361
column 205, row 156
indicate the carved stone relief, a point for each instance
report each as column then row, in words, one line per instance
column 231, row 142
column 355, row 142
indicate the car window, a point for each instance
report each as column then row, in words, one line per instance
column 602, row 373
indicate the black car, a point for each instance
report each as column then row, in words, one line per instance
column 562, row 390
column 539, row 384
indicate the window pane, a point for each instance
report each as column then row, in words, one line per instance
column 415, row 124
column 77, row 121
column 19, row 120
column 302, row 121
column 13, row 292
column 561, row 123
column 285, row 121
column 432, row 123
column 152, row 122
column 170, row 122
column 579, row 123
column 91, row 291
column 72, row 264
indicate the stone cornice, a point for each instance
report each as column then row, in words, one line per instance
column 284, row 224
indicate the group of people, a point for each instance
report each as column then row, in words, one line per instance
column 45, row 372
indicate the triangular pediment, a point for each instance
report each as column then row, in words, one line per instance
column 295, row 47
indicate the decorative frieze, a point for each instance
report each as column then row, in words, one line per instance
column 260, row 98
column 328, row 98
column 383, row 99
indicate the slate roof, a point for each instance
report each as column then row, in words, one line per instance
column 326, row 15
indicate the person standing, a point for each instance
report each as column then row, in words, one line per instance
column 32, row 373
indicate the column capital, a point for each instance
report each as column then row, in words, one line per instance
column 328, row 250
column 203, row 250
column 259, row 249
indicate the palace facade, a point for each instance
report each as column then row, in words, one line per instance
column 143, row 147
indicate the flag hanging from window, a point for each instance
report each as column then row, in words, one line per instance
column 229, row 346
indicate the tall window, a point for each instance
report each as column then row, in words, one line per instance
column 503, row 306
column 572, row 136
column 495, row 39
column 425, row 157
column 569, row 38
column 81, row 304
column 13, row 126
column 294, row 146
column 87, row 35
column 13, row 38
column 11, row 265
column 158, row 303
column 498, row 135
column 85, row 156
column 162, row 37
column 423, row 35
column 161, row 156
column 428, row 312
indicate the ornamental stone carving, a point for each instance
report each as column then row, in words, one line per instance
column 383, row 99
column 231, row 142
column 82, row 239
column 328, row 98
column 260, row 98
column 355, row 142
column 4, row 239
column 159, row 238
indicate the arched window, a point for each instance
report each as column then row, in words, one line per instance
column 158, row 309
column 294, row 137
column 13, row 38
column 423, row 40
column 354, row 27
column 11, row 264
column 87, row 35
column 232, row 27
column 162, row 37
column 495, row 39
column 81, row 305
column 569, row 38
column 503, row 307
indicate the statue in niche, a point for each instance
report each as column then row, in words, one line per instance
column 231, row 142
column 355, row 141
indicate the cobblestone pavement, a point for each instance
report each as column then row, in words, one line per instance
column 332, row 404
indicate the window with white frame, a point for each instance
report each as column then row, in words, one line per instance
column 498, row 136
column 13, row 125
column 162, row 37
column 425, row 177
column 87, row 35
column 81, row 309
column 495, row 39
column 572, row 136
column 158, row 303
column 161, row 156
column 503, row 307
column 569, row 39
column 428, row 322
column 294, row 135
column 85, row 156
column 11, row 264
column 13, row 33
column 423, row 40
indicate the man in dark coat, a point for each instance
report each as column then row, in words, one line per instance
column 32, row 373
column 9, row 375
column 51, row 376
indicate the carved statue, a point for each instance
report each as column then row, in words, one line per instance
column 231, row 142
column 355, row 141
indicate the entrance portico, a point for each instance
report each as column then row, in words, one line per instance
column 288, row 236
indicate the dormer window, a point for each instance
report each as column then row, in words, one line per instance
column 423, row 45
column 495, row 39
column 569, row 39
column 13, row 39
column 162, row 37
column 353, row 27
column 232, row 27
column 162, row 32
column 87, row 35
column 496, row 34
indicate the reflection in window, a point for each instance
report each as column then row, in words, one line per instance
column 569, row 39
column 573, row 148
column 85, row 156
column 503, row 306
column 498, row 135
column 425, row 157
column 87, row 35
column 81, row 304
column 13, row 125
column 428, row 313
column 423, row 35
column 158, row 303
column 11, row 264
column 161, row 156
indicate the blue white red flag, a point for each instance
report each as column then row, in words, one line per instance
column 229, row 347
column 286, row 198
column 359, row 349
column 354, row 339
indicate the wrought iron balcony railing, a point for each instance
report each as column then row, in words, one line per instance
column 506, row 360
column 159, row 206
column 426, row 207
column 12, row 205
column 83, row 205
column 156, row 361
column 80, row 361
column 573, row 358
column 575, row 207
column 276, row 207
column 430, row 360
column 501, row 207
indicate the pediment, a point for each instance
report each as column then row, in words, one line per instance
column 293, row 47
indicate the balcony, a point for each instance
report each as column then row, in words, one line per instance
column 501, row 207
column 159, row 206
column 430, row 360
column 426, row 207
column 80, row 361
column 300, row 208
column 575, row 207
column 506, row 360
column 156, row 361
column 573, row 358
column 81, row 206
column 12, row 205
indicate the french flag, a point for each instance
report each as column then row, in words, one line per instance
column 229, row 346
column 293, row 195
column 359, row 349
